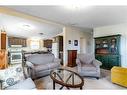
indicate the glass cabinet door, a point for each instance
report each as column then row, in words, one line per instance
column 113, row 45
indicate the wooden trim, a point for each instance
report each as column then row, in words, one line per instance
column 3, row 40
column 107, row 36
column 3, row 59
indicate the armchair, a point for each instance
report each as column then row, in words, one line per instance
column 88, row 65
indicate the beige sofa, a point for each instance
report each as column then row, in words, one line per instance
column 41, row 64
column 88, row 65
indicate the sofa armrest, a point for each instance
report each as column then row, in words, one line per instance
column 29, row 64
column 30, row 68
column 57, row 60
column 97, row 63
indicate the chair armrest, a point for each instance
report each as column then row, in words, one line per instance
column 29, row 64
column 97, row 63
column 57, row 60
column 78, row 62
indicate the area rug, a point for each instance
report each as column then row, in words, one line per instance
column 104, row 83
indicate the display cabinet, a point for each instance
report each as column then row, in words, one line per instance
column 107, row 50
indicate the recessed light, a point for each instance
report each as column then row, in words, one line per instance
column 72, row 24
column 41, row 33
column 26, row 25
column 75, row 7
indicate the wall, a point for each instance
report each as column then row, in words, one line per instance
column 71, row 33
column 83, row 43
column 28, row 48
column 113, row 30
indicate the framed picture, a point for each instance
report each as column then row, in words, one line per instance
column 75, row 42
column 69, row 41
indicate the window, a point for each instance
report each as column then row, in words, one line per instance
column 34, row 44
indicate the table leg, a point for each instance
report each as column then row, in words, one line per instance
column 81, row 88
column 53, row 85
column 61, row 87
column 68, row 88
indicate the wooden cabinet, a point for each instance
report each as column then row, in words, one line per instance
column 48, row 43
column 107, row 50
column 72, row 55
column 3, row 40
column 17, row 41
column 3, row 59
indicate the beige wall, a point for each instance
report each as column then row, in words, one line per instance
column 70, row 33
column 113, row 30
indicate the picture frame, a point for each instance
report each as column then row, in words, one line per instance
column 69, row 41
column 75, row 42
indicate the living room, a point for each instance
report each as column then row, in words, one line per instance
column 35, row 35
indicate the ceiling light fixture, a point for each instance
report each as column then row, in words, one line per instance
column 25, row 26
column 75, row 7
column 41, row 33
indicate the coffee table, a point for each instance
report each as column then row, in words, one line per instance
column 66, row 78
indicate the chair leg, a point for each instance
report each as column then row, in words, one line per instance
column 97, row 78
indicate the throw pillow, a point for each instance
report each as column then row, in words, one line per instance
column 11, row 75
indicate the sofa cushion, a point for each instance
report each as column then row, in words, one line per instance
column 25, row 84
column 53, row 65
column 41, row 67
column 88, row 67
column 46, row 66
column 40, row 58
column 11, row 75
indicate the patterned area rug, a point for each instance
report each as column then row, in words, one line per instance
column 104, row 83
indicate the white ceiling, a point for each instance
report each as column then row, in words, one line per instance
column 14, row 26
column 86, row 17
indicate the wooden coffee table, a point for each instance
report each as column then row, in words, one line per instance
column 66, row 78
